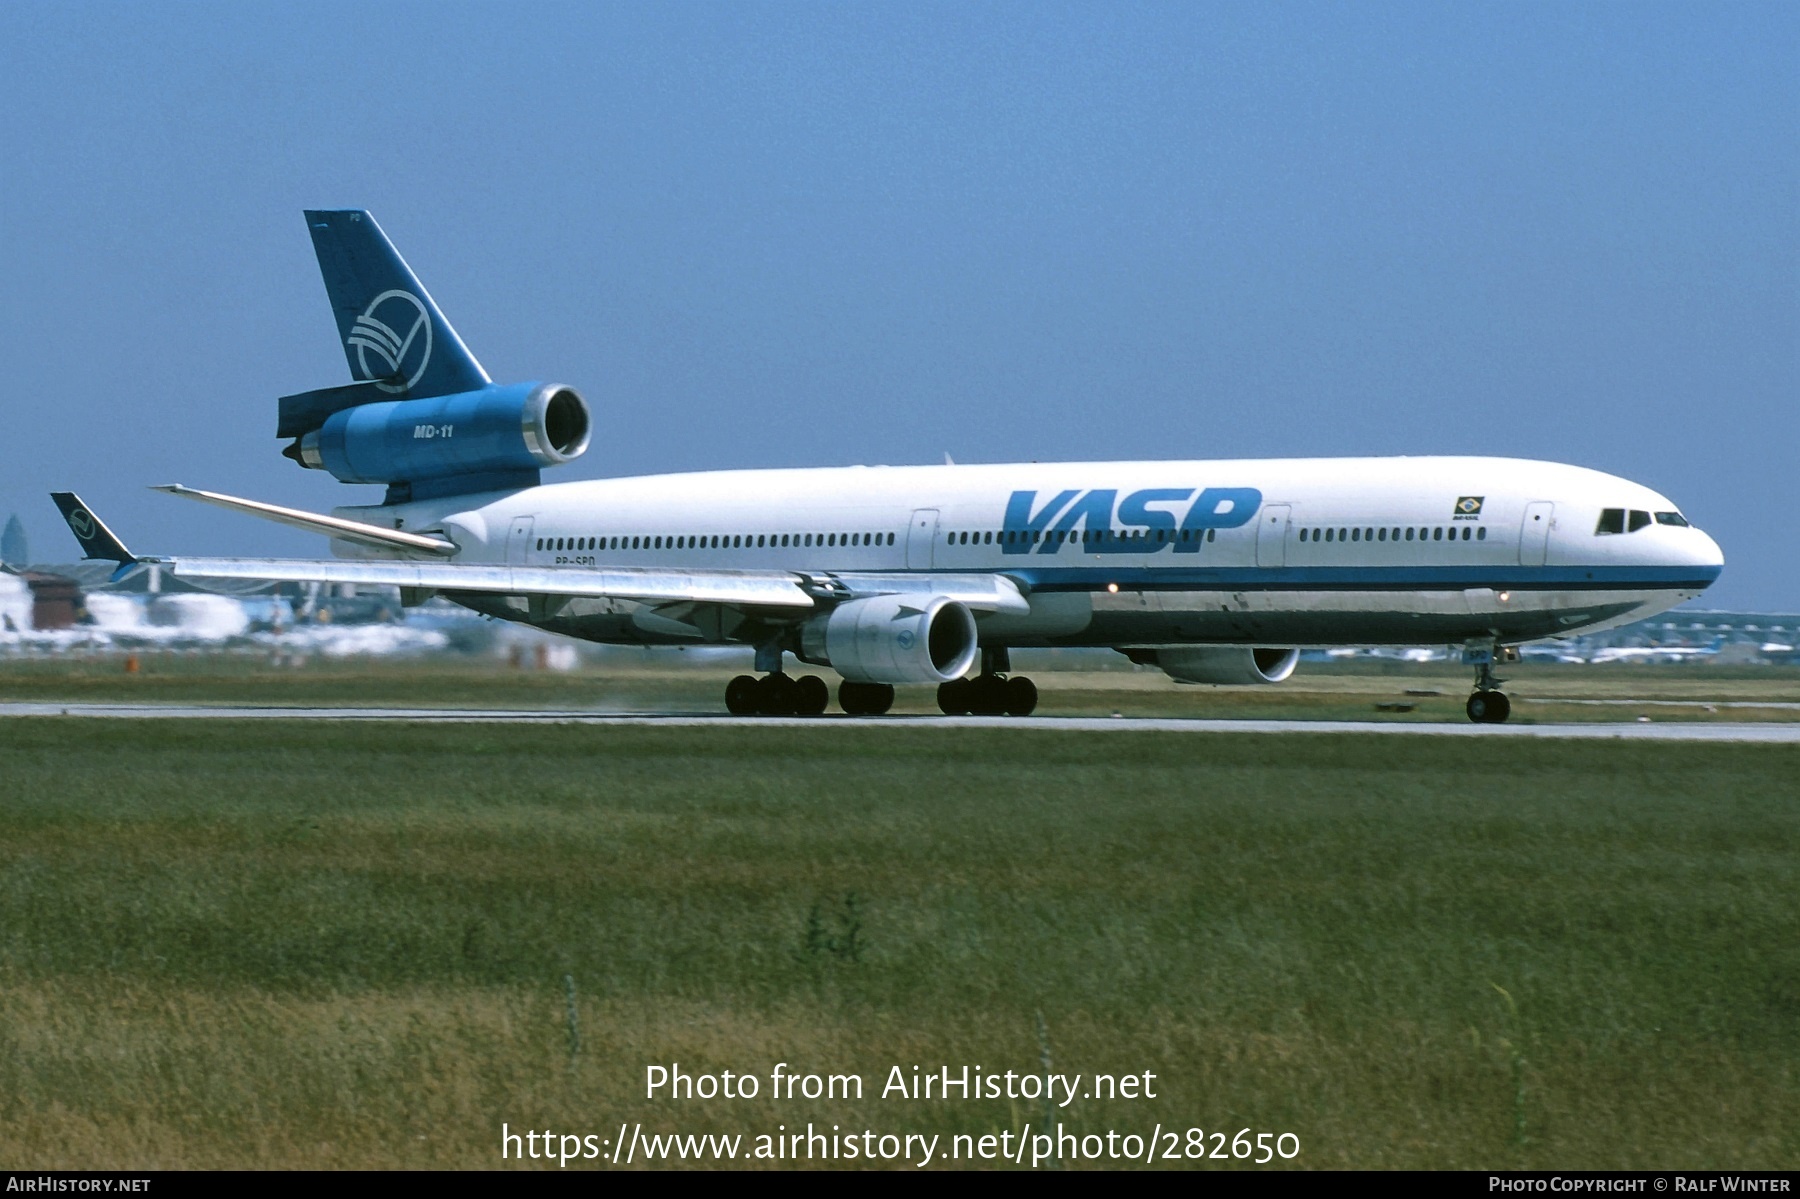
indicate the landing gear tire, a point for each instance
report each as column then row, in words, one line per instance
column 953, row 698
column 987, row 695
column 741, row 695
column 865, row 699
column 775, row 695
column 811, row 695
column 1488, row 707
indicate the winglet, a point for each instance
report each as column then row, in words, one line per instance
column 97, row 541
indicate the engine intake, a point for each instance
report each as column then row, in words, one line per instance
column 1227, row 665
column 894, row 639
column 516, row 428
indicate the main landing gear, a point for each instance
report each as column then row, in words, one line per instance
column 1489, row 704
column 990, row 693
column 777, row 694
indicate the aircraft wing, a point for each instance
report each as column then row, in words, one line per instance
column 799, row 591
column 742, row 587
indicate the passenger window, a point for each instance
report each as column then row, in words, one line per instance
column 1409, row 534
column 1466, row 532
column 1481, row 533
column 1382, row 536
column 1437, row 534
column 1212, row 534
column 1612, row 520
column 1368, row 534
column 890, row 539
column 1638, row 520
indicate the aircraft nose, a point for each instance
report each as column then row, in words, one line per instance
column 1708, row 553
column 1701, row 551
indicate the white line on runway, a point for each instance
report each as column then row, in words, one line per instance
column 1787, row 705
column 1635, row 731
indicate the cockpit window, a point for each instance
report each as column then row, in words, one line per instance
column 1612, row 520
column 1672, row 518
column 1639, row 520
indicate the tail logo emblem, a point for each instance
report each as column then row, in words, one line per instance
column 376, row 330
column 81, row 523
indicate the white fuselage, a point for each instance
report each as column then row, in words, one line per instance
column 1306, row 552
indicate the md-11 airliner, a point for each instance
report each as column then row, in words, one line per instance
column 1215, row 572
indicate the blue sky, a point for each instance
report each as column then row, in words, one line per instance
column 803, row 234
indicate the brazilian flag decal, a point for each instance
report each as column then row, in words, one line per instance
column 1469, row 505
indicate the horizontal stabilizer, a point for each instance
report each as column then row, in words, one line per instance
column 740, row 587
column 301, row 414
column 331, row 526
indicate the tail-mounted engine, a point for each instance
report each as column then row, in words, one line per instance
column 492, row 438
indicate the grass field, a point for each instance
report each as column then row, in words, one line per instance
column 269, row 944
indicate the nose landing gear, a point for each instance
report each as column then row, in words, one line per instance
column 1489, row 704
column 1488, row 707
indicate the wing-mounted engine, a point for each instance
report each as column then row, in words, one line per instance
column 1228, row 665
column 893, row 639
column 494, row 437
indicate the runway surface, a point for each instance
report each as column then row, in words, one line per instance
column 1634, row 731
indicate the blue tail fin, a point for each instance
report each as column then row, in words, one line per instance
column 393, row 333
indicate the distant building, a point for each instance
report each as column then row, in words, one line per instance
column 13, row 547
column 55, row 600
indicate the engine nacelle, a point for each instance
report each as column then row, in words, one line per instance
column 1223, row 664
column 518, row 427
column 894, row 639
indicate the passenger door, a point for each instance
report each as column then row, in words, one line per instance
column 518, row 541
column 1271, row 536
column 1534, row 533
column 921, row 539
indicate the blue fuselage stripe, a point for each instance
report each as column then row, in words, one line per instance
column 1367, row 578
